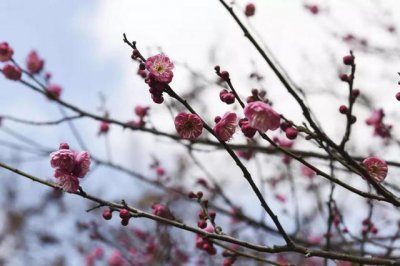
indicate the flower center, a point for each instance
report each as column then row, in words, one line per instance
column 188, row 125
column 159, row 68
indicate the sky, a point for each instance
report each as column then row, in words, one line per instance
column 81, row 42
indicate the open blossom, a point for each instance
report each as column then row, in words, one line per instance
column 261, row 116
column 6, row 52
column 34, row 63
column 67, row 182
column 160, row 68
column 226, row 126
column 377, row 168
column 82, row 160
column 63, row 159
column 69, row 166
column 188, row 126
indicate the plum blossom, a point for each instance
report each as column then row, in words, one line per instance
column 188, row 126
column 54, row 91
column 82, row 160
column 261, row 116
column 116, row 259
column 226, row 126
column 67, row 182
column 34, row 63
column 12, row 72
column 63, row 160
column 69, row 166
column 160, row 68
column 380, row 128
column 250, row 10
column 376, row 167
column 6, row 52
column 162, row 211
column 307, row 171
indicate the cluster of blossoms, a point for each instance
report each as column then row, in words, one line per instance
column 93, row 256
column 205, row 244
column 123, row 214
column 368, row 227
column 141, row 112
column 376, row 168
column 258, row 116
column 34, row 65
column 69, row 166
column 10, row 71
column 159, row 74
column 380, row 128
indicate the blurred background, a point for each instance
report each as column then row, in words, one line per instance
column 81, row 43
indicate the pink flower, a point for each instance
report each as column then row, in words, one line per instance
column 160, row 170
column 162, row 211
column 34, row 63
column 247, row 130
column 226, row 126
column 314, row 9
column 67, row 182
column 377, row 168
column 160, row 68
column 307, row 171
column 280, row 197
column 6, row 52
column 69, row 166
column 380, row 128
column 12, row 72
column 141, row 111
column 98, row 252
column 188, row 126
column 63, row 159
column 250, row 10
column 54, row 91
column 376, row 117
column 116, row 259
column 82, row 163
column 261, row 116
column 104, row 128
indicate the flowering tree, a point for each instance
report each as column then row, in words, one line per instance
column 322, row 202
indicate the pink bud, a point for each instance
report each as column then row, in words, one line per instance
column 12, row 72
column 6, row 52
column 250, row 10
column 33, row 63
